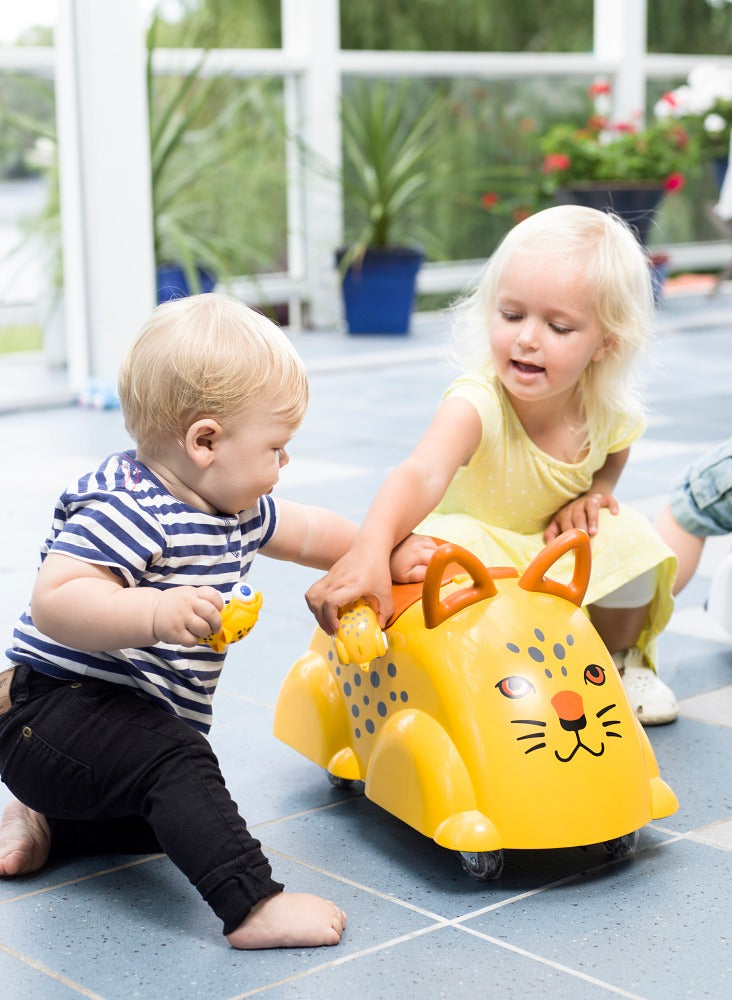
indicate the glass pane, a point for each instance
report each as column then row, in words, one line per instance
column 690, row 26
column 468, row 26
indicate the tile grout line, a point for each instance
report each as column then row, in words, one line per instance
column 46, row 971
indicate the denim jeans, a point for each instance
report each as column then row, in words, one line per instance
column 111, row 771
column 701, row 498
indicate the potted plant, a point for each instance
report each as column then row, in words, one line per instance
column 390, row 173
column 623, row 166
column 704, row 105
column 216, row 149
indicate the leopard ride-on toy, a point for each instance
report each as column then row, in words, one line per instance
column 489, row 715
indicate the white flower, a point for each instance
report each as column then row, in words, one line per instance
column 714, row 123
column 706, row 84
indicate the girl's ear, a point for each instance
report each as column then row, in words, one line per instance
column 607, row 344
column 201, row 440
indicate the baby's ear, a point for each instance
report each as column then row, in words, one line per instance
column 201, row 440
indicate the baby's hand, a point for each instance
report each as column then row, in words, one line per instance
column 410, row 558
column 186, row 614
column 581, row 513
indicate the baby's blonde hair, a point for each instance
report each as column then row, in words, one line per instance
column 207, row 355
column 614, row 267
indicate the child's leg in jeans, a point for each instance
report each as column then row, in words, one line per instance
column 93, row 751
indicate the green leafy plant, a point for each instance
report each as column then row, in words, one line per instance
column 216, row 150
column 392, row 168
column 660, row 153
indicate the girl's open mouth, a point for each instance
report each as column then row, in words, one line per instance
column 528, row 369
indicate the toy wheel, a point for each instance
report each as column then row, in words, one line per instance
column 339, row 782
column 622, row 847
column 482, row 865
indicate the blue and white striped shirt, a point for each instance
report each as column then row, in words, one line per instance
column 122, row 517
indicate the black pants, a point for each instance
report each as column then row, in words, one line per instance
column 111, row 771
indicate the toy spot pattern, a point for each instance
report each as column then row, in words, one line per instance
column 370, row 714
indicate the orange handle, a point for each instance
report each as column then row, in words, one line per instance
column 437, row 611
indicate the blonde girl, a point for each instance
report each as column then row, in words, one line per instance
column 532, row 437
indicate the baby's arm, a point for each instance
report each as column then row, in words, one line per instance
column 407, row 495
column 582, row 512
column 87, row 606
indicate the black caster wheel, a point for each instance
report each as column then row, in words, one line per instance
column 482, row 865
column 339, row 782
column 622, row 847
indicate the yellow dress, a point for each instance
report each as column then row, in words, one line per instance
column 499, row 504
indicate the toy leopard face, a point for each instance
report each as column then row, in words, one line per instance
column 581, row 696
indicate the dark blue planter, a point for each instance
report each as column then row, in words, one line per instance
column 719, row 165
column 173, row 284
column 636, row 203
column 379, row 289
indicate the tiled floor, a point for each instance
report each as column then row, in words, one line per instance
column 561, row 923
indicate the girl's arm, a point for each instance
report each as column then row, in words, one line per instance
column 87, row 606
column 582, row 512
column 408, row 494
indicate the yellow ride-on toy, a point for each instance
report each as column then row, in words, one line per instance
column 489, row 715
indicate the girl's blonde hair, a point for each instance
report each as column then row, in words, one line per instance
column 207, row 355
column 613, row 265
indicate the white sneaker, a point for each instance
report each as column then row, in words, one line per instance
column 652, row 701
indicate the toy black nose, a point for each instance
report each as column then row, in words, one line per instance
column 568, row 706
column 573, row 725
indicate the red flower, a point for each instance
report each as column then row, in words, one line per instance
column 625, row 127
column 597, row 123
column 669, row 99
column 555, row 161
column 489, row 200
column 599, row 87
column 674, row 182
column 519, row 214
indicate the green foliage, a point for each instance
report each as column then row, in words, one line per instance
column 468, row 26
column 391, row 163
column 217, row 153
column 597, row 152
column 16, row 339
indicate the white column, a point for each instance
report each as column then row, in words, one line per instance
column 312, row 28
column 104, row 167
column 620, row 30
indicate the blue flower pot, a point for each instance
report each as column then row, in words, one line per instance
column 173, row 284
column 379, row 290
column 634, row 202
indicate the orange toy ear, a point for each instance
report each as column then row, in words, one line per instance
column 534, row 577
column 437, row 611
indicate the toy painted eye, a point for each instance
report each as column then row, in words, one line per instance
column 594, row 674
column 515, row 687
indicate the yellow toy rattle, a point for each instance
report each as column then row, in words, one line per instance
column 360, row 638
column 238, row 617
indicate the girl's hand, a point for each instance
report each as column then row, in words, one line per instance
column 581, row 513
column 355, row 576
column 410, row 558
column 184, row 615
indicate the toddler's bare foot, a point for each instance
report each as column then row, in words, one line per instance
column 290, row 920
column 25, row 840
